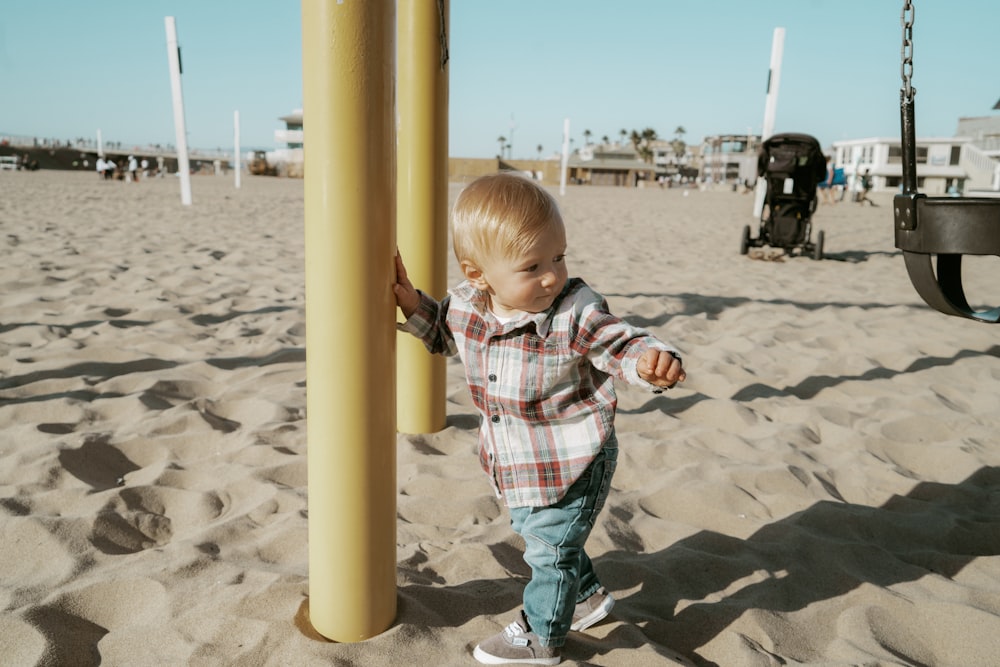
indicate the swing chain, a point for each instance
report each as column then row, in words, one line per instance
column 906, row 69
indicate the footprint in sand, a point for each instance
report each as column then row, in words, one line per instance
column 149, row 516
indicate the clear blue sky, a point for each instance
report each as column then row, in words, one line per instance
column 69, row 67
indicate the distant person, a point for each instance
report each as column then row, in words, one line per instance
column 839, row 183
column 866, row 186
column 133, row 169
column 27, row 164
column 110, row 167
column 826, row 187
column 144, row 165
column 101, row 166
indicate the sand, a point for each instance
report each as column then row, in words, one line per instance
column 823, row 490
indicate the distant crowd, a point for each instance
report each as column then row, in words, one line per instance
column 130, row 171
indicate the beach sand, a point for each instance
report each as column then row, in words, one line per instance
column 823, row 490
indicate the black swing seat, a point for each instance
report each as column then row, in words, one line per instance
column 948, row 227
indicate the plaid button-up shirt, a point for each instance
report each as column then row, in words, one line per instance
column 543, row 382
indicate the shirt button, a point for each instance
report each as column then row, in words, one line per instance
column 495, row 418
column 493, row 377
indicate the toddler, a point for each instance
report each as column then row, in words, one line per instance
column 541, row 352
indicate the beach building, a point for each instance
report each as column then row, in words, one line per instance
column 729, row 158
column 983, row 133
column 983, row 151
column 968, row 163
column 945, row 165
column 671, row 164
column 609, row 164
column 290, row 140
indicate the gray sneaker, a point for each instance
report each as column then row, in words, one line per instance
column 592, row 610
column 516, row 645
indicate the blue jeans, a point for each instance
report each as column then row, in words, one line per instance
column 561, row 572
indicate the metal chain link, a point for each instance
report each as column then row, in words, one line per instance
column 906, row 68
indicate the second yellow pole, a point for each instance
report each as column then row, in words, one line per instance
column 423, row 198
column 348, row 54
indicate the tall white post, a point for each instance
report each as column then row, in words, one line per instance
column 236, row 146
column 174, row 57
column 100, row 144
column 565, row 158
column 770, row 109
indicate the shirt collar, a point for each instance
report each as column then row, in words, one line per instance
column 480, row 303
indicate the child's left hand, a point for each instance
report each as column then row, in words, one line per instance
column 661, row 368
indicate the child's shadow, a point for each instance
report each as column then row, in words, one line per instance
column 690, row 592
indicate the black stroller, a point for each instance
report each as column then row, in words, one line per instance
column 793, row 165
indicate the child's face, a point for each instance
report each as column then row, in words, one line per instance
column 529, row 282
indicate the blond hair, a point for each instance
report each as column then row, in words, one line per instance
column 501, row 215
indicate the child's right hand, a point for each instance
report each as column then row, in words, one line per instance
column 407, row 297
column 661, row 368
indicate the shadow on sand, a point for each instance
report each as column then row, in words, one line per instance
column 691, row 592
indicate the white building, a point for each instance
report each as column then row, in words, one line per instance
column 962, row 164
column 292, row 136
column 729, row 158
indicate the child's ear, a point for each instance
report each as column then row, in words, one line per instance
column 474, row 275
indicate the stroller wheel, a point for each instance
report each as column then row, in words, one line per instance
column 745, row 244
column 818, row 248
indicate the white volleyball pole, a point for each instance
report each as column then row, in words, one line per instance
column 236, row 146
column 565, row 158
column 770, row 109
column 174, row 57
column 100, row 144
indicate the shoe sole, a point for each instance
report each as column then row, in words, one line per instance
column 593, row 617
column 490, row 659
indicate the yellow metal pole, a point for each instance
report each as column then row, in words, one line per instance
column 348, row 63
column 422, row 207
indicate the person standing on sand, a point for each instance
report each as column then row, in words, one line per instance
column 541, row 353
column 826, row 187
column 866, row 186
column 133, row 169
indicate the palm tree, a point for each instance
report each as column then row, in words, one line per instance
column 678, row 143
column 503, row 142
column 679, row 147
column 540, row 149
column 641, row 142
column 648, row 137
column 623, row 133
column 605, row 140
column 586, row 137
